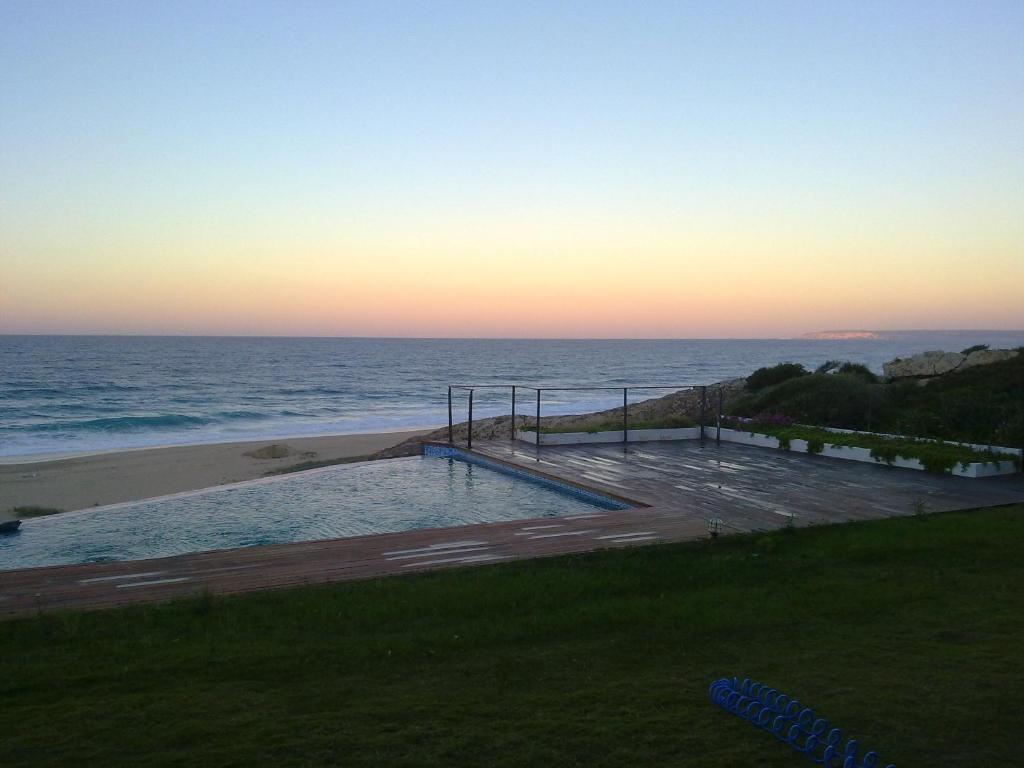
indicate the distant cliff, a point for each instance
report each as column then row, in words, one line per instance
column 840, row 335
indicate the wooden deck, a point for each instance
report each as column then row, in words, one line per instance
column 753, row 488
column 682, row 485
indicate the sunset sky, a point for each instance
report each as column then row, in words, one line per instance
column 690, row 169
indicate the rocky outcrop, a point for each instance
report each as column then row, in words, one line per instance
column 929, row 364
column 987, row 357
column 923, row 365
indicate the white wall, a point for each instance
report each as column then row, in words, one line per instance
column 614, row 436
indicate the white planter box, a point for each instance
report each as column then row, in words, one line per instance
column 744, row 438
column 614, row 436
column 986, row 470
column 526, row 436
column 852, row 453
column 568, row 438
column 972, row 446
column 976, row 469
column 650, row 435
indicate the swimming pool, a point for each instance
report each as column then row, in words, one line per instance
column 334, row 502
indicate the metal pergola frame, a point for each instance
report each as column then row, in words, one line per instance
column 625, row 404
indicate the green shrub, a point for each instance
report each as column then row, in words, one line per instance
column 854, row 369
column 859, row 370
column 829, row 400
column 983, row 404
column 767, row 377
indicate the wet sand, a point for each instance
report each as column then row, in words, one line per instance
column 108, row 478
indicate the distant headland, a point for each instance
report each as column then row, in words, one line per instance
column 839, row 335
column 1002, row 337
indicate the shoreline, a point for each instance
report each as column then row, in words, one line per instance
column 76, row 482
column 23, row 459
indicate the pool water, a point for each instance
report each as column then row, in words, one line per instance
column 334, row 502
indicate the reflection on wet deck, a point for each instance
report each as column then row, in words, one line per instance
column 752, row 488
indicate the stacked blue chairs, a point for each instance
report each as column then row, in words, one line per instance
column 788, row 721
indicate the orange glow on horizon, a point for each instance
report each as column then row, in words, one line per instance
column 624, row 287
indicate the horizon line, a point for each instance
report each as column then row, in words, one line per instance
column 805, row 336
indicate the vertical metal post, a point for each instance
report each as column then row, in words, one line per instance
column 625, row 417
column 451, row 438
column 703, row 409
column 469, row 438
column 513, row 412
column 538, row 418
column 718, row 432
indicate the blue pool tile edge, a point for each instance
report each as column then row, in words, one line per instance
column 593, row 497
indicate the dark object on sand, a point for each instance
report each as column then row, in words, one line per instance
column 275, row 451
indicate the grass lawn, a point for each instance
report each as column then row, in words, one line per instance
column 906, row 633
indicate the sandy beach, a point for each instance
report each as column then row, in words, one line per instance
column 107, row 478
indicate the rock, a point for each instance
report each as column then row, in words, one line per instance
column 275, row 451
column 929, row 364
column 987, row 357
column 922, row 365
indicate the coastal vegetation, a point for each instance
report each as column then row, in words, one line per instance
column 598, row 659
column 854, row 369
column 978, row 405
column 776, row 374
column 982, row 404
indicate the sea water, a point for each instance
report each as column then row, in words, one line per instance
column 63, row 394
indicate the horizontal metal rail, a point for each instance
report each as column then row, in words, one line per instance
column 578, row 389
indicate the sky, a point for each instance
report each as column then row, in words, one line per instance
column 648, row 170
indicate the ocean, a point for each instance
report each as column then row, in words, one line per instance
column 69, row 394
